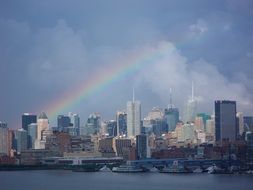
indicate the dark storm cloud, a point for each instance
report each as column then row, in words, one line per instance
column 48, row 47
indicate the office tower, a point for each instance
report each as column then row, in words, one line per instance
column 28, row 119
column 121, row 119
column 172, row 118
column 210, row 126
column 42, row 125
column 111, row 128
column 204, row 117
column 133, row 118
column 171, row 114
column 225, row 120
column 248, row 123
column 249, row 140
column 32, row 135
column 155, row 121
column 188, row 132
column 63, row 122
column 240, row 124
column 179, row 132
column 93, row 124
column 191, row 108
column 75, row 120
column 20, row 136
column 4, row 138
column 141, row 146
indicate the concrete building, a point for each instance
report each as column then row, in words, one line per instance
column 21, row 137
column 42, row 125
column 5, row 139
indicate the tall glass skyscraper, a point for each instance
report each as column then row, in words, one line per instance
column 121, row 119
column 27, row 119
column 225, row 120
column 172, row 118
column 133, row 118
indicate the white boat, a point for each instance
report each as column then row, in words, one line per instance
column 105, row 169
column 128, row 168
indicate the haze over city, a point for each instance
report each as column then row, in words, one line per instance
column 50, row 48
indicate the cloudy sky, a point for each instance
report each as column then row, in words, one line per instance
column 50, row 47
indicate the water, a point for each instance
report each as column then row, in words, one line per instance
column 67, row 180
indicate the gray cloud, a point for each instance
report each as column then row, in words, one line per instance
column 47, row 49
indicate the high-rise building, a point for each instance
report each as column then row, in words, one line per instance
column 121, row 119
column 172, row 118
column 133, row 118
column 248, row 123
column 63, row 122
column 204, row 117
column 75, row 120
column 111, row 128
column 28, row 119
column 4, row 141
column 20, row 139
column 32, row 135
column 93, row 124
column 191, row 108
column 42, row 125
column 225, row 120
column 240, row 124
column 141, row 146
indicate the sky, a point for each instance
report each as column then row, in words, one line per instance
column 49, row 48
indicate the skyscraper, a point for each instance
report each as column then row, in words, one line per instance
column 121, row 119
column 172, row 118
column 28, row 119
column 63, row 122
column 225, row 120
column 75, row 120
column 4, row 139
column 133, row 118
column 191, row 108
column 141, row 146
column 32, row 135
column 21, row 139
column 42, row 125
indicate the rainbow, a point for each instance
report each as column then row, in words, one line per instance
column 101, row 80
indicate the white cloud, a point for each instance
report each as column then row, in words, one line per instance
column 199, row 27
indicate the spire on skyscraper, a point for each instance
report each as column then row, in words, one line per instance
column 170, row 106
column 133, row 94
column 192, row 91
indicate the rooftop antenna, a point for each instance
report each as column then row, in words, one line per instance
column 192, row 91
column 133, row 94
column 170, row 98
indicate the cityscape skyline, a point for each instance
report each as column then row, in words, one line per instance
column 88, row 53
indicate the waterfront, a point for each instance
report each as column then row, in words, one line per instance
column 67, row 180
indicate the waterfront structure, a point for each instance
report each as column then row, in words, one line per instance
column 141, row 146
column 133, row 118
column 32, row 135
column 121, row 145
column 28, row 119
column 225, row 120
column 191, row 108
column 121, row 119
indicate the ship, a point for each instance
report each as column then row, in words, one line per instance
column 128, row 168
column 175, row 168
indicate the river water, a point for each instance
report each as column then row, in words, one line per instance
column 67, row 180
